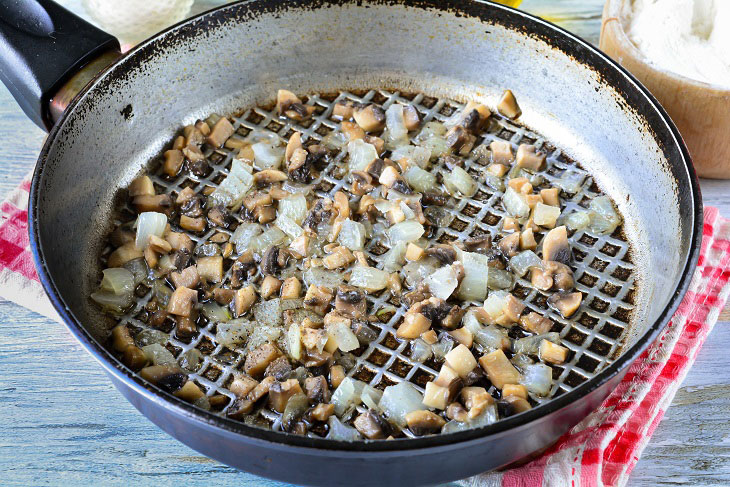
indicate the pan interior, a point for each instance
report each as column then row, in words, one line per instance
column 232, row 59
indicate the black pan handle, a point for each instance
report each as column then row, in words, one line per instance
column 41, row 46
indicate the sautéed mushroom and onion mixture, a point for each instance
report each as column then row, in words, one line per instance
column 285, row 278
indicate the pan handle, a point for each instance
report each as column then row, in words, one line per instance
column 42, row 45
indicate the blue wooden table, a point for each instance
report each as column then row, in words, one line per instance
column 62, row 422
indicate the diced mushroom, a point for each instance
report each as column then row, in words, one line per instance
column 389, row 176
column 123, row 254
column 414, row 324
column 509, row 246
column 317, row 389
column 322, row 412
column 167, row 377
column 221, row 131
column 189, row 392
column 456, row 412
column 550, row 196
column 553, row 353
column 376, row 142
column 269, row 176
column 134, row 358
column 460, row 140
column 258, row 359
column 261, row 389
column 371, row 425
column 499, row 369
column 269, row 286
column 519, row 404
column 463, row 336
column 517, row 390
column 461, row 360
column 370, row 118
column 536, row 323
column 188, row 277
column 161, row 203
column 362, row 183
column 480, row 244
column 566, row 303
column 411, row 117
column 352, row 131
column 288, row 104
column 527, row 240
column 509, row 224
column 281, row 392
column 318, row 299
column 180, row 241
column 337, row 375
column 279, row 369
column 240, row 408
column 121, row 338
column 291, row 288
column 501, row 152
column 528, row 158
column 424, row 422
column 476, row 399
column 210, row 269
column 173, row 162
column 435, row 396
column 508, row 106
column 429, row 337
column 182, row 301
column 512, row 308
column 141, row 186
column 243, row 299
column 192, row 224
column 341, row 256
column 445, row 254
column 351, row 301
column 555, row 246
column 343, row 110
column 242, row 385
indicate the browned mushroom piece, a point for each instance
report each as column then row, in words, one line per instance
column 566, row 303
column 221, row 131
column 501, row 152
column 258, row 359
column 270, row 261
column 562, row 275
column 371, row 425
column 370, row 118
column 193, row 135
column 414, row 324
column 536, row 323
column 411, row 117
column 512, row 308
column 279, row 369
column 173, row 162
column 317, row 389
column 362, row 183
column 240, row 408
column 340, row 256
column 376, row 142
column 269, row 287
column 456, row 412
column 528, row 157
column 352, row 131
column 351, row 301
column 243, row 299
column 445, row 254
column 141, row 186
column 161, row 203
column 281, row 392
column 261, row 389
column 322, row 412
column 555, row 246
column 473, row 116
column 509, row 246
column 460, row 140
column 180, row 241
column 480, row 244
column 121, row 338
column 269, row 176
column 167, row 377
column 182, row 301
column 508, row 106
column 186, row 327
column 321, row 213
column 219, row 216
column 551, row 196
column 424, row 422
column 289, row 105
column 188, row 277
column 192, row 224
column 134, row 358
column 318, row 299
column 343, row 110
column 242, row 385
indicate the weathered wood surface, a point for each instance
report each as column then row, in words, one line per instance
column 62, row 422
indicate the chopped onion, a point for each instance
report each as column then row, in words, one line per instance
column 538, row 378
column 397, row 132
column 158, row 355
column 294, row 341
column 546, row 215
column 490, row 336
column 523, row 262
column 149, row 223
column 234, row 332
column 570, row 182
column 114, row 303
column 430, row 129
column 147, row 336
column 294, row 207
column 493, row 181
column 347, row 395
column 369, row 278
column 473, row 286
column 288, row 226
column 406, row 231
column 165, row 265
column 415, row 272
column 419, row 156
column 371, row 396
column 489, row 416
column 138, row 268
column 341, row 432
column 495, row 303
column 458, row 181
column 420, row 180
column 161, row 291
column 268, row 312
column 319, row 276
column 231, row 191
column 272, row 236
column 352, row 235
column 399, row 400
column 262, row 333
column 443, row 282
column 394, row 258
column 442, row 347
column 578, row 220
column 215, row 312
column 420, row 350
column 499, row 279
column 295, row 408
column 343, row 337
column 335, row 140
column 268, row 155
column 190, row 360
column 245, row 232
column 515, row 203
column 117, row 280
column 530, row 345
column 604, row 218
column 361, row 154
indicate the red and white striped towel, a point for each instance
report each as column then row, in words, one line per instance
column 603, row 448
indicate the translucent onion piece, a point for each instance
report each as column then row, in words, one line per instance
column 190, row 360
column 420, row 350
column 604, row 218
column 352, row 235
column 530, row 345
column 114, row 303
column 272, row 236
column 335, row 140
column 570, row 182
column 489, row 416
column 494, row 304
column 149, row 223
column 369, row 278
column 263, row 333
column 233, row 333
column 245, row 232
column 268, row 312
column 231, row 191
column 473, row 286
column 443, row 282
column 396, row 125
column 288, row 226
column 347, row 395
column 294, row 207
column 578, row 220
column 361, row 154
column 216, row 313
column 138, row 268
column 340, row 431
column 522, row 262
column 538, row 378
column 499, row 279
column 158, row 355
column 415, row 272
column 406, row 231
column 458, row 181
column 267, row 155
column 420, row 180
column 371, row 396
column 319, row 276
column 493, row 181
column 117, row 280
column 294, row 341
column 394, row 258
column 148, row 336
column 490, row 336
column 515, row 203
column 442, row 347
column 399, row 400
column 546, row 215
column 342, row 335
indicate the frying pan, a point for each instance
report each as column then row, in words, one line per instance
column 575, row 101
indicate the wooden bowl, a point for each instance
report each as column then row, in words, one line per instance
column 700, row 110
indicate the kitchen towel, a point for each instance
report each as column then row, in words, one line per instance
column 603, row 448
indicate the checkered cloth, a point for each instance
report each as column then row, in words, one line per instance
column 603, row 448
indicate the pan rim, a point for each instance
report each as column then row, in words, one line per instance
column 371, row 448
